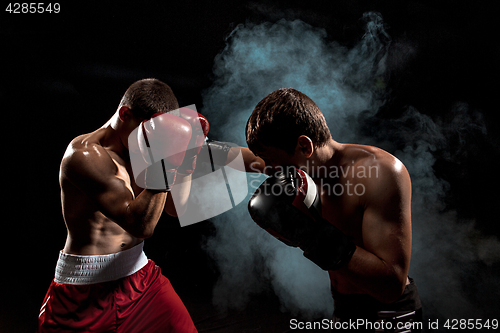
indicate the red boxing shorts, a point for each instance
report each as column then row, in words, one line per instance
column 144, row 301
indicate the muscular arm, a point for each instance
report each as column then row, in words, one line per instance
column 177, row 199
column 94, row 172
column 381, row 267
column 224, row 154
column 252, row 162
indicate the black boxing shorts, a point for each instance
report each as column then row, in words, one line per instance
column 363, row 313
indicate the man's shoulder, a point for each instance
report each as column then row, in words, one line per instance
column 85, row 156
column 380, row 172
column 373, row 157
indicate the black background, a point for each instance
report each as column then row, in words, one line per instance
column 64, row 74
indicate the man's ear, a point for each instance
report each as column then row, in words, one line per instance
column 305, row 145
column 124, row 112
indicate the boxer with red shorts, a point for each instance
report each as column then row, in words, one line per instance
column 103, row 280
column 96, row 294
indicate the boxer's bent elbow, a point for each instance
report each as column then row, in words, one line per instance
column 175, row 211
column 139, row 229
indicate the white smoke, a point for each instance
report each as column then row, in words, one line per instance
column 348, row 86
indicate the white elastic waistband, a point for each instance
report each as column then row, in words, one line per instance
column 78, row 269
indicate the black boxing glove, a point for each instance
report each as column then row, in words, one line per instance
column 287, row 205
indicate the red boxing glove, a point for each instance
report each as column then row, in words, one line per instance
column 163, row 141
column 199, row 126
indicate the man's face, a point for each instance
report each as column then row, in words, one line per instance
column 128, row 122
column 274, row 157
column 130, row 125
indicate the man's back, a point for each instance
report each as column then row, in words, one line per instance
column 87, row 165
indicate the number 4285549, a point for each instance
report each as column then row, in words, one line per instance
column 33, row 8
column 463, row 324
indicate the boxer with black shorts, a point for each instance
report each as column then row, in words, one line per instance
column 346, row 206
column 103, row 280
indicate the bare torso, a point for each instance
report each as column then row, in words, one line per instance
column 345, row 195
column 89, row 230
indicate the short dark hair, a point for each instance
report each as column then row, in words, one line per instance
column 149, row 96
column 281, row 117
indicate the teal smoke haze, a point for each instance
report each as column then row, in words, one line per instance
column 259, row 59
column 348, row 86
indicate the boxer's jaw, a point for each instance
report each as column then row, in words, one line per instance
column 118, row 129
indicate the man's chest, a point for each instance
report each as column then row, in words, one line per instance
column 344, row 211
column 124, row 173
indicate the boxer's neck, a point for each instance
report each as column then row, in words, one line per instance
column 324, row 158
column 112, row 136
